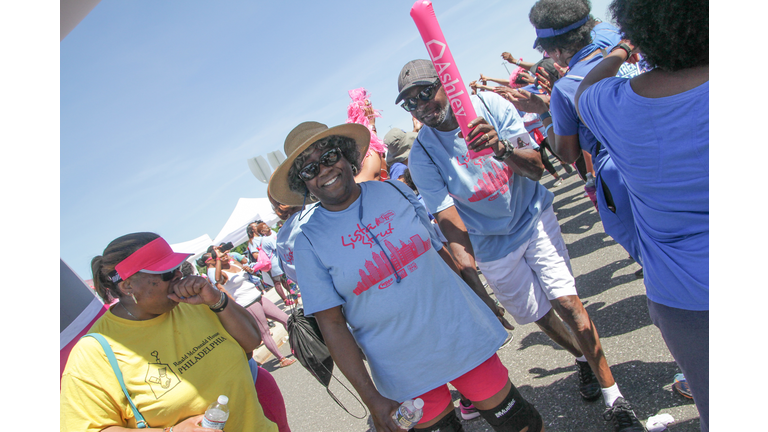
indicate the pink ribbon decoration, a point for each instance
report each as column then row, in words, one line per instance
column 426, row 21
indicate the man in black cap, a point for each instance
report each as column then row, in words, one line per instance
column 496, row 214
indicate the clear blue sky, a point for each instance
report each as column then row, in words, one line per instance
column 163, row 102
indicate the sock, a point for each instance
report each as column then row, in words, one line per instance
column 581, row 359
column 610, row 394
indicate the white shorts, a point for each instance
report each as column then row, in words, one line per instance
column 538, row 271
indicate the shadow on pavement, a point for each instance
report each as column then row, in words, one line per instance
column 602, row 278
column 579, row 224
column 563, row 213
column 641, row 383
column 622, row 317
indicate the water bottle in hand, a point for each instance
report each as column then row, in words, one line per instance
column 409, row 413
column 217, row 414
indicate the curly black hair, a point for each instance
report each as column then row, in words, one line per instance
column 557, row 14
column 348, row 149
column 671, row 34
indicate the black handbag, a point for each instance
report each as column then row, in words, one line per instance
column 309, row 348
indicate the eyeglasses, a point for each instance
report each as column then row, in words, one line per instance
column 168, row 276
column 328, row 158
column 428, row 93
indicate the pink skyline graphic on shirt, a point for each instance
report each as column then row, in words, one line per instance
column 379, row 269
column 497, row 180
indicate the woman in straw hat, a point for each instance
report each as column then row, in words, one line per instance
column 368, row 259
column 179, row 343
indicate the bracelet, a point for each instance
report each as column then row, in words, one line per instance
column 624, row 47
column 508, row 151
column 168, row 429
column 545, row 116
column 519, row 61
column 218, row 303
column 226, row 302
column 546, row 129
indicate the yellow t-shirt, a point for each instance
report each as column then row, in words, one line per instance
column 173, row 366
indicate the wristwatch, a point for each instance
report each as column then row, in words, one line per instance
column 624, row 47
column 508, row 151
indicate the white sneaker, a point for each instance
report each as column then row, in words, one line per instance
column 558, row 182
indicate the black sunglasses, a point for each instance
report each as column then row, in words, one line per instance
column 168, row 276
column 328, row 158
column 428, row 93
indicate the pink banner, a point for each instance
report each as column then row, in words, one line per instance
column 426, row 21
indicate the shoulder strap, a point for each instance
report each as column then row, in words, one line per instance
column 427, row 153
column 140, row 422
column 483, row 101
column 397, row 189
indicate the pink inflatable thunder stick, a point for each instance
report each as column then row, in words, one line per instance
column 426, row 21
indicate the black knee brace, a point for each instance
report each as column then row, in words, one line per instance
column 513, row 414
column 449, row 423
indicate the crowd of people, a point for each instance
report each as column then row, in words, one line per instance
column 387, row 237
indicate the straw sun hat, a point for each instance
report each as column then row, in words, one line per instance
column 298, row 140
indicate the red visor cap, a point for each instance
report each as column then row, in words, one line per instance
column 155, row 257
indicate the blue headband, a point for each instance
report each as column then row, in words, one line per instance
column 548, row 33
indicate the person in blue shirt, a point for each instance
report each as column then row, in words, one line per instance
column 377, row 279
column 574, row 39
column 496, row 215
column 656, row 127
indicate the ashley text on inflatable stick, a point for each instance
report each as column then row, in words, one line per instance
column 426, row 21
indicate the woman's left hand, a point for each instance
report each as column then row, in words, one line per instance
column 194, row 290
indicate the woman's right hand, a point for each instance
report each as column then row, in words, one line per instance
column 194, row 290
column 381, row 411
column 192, row 424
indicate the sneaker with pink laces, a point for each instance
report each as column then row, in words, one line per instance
column 468, row 412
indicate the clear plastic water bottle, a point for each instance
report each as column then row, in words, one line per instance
column 217, row 414
column 409, row 413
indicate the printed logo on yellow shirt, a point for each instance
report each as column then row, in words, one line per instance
column 160, row 377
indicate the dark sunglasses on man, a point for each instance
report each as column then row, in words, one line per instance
column 328, row 158
column 427, row 94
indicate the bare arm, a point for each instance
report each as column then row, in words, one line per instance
column 347, row 356
column 607, row 68
column 188, row 425
column 566, row 147
column 234, row 318
column 501, row 81
column 458, row 240
column 510, row 58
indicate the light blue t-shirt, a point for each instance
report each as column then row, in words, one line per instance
column 661, row 148
column 417, row 334
column 286, row 238
column 499, row 208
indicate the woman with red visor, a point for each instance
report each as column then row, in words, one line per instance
column 179, row 344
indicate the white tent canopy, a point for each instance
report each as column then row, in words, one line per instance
column 196, row 246
column 246, row 211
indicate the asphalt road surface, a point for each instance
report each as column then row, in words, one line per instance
column 546, row 374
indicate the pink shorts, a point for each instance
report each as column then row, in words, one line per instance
column 478, row 384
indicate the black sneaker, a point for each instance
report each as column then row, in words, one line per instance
column 624, row 419
column 589, row 387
